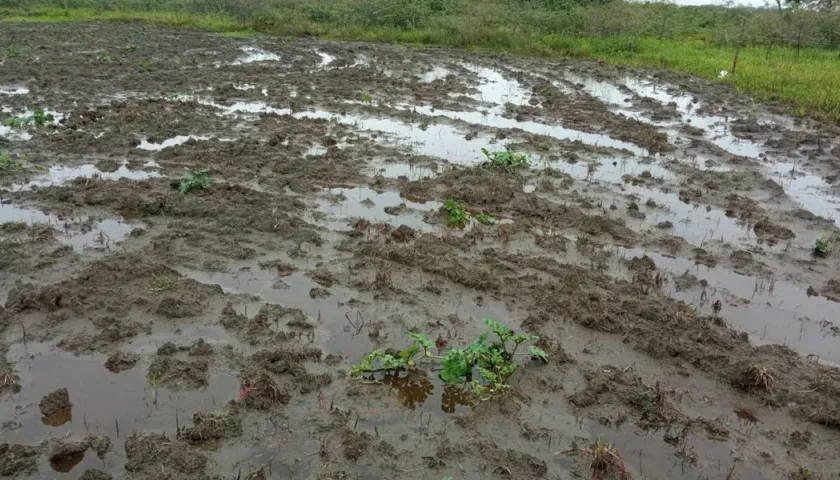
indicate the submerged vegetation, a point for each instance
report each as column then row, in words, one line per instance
column 484, row 365
column 790, row 54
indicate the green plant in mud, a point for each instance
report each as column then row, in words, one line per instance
column 106, row 58
column 506, row 159
column 145, row 65
column 823, row 246
column 39, row 117
column 485, row 219
column 198, row 180
column 9, row 164
column 494, row 360
column 456, row 214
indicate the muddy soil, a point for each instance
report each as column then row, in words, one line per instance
column 659, row 241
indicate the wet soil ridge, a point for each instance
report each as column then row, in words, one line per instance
column 201, row 253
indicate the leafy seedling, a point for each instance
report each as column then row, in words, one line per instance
column 196, row 181
column 145, row 65
column 456, row 214
column 106, row 58
column 495, row 361
column 485, row 219
column 823, row 246
column 505, row 159
column 41, row 118
column 8, row 164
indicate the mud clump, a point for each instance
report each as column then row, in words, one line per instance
column 261, row 392
column 65, row 455
column 149, row 453
column 176, row 373
column 356, row 444
column 403, row 234
column 209, row 426
column 770, row 231
column 91, row 474
column 55, row 402
column 754, row 378
column 171, row 307
column 121, row 361
column 18, row 459
column 291, row 362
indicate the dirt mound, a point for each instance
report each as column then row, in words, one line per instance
column 147, row 454
column 55, row 402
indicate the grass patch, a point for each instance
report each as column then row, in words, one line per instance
column 697, row 40
column 505, row 159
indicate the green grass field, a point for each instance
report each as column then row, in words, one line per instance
column 806, row 81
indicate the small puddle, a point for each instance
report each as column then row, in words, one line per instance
column 12, row 90
column 401, row 170
column 82, row 233
column 436, row 73
column 170, row 142
column 60, row 174
column 326, row 59
column 255, row 54
column 810, row 191
column 343, row 205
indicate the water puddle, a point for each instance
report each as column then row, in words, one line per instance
column 436, row 73
column 810, row 191
column 170, row 142
column 326, row 59
column 93, row 390
column 775, row 312
column 244, row 87
column 255, row 54
column 341, row 206
column 12, row 90
column 401, row 170
column 60, row 174
column 83, row 233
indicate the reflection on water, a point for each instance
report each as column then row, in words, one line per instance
column 414, row 388
column 58, row 419
column 66, row 463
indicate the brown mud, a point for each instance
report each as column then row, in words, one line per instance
column 660, row 242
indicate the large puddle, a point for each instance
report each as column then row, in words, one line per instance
column 83, row 233
column 93, row 390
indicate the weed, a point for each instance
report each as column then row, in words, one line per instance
column 145, row 65
column 12, row 51
column 485, row 219
column 823, row 246
column 757, row 377
column 16, row 122
column 495, row 361
column 198, row 180
column 8, row 164
column 800, row 473
column 604, row 459
column 129, row 47
column 366, row 98
column 106, row 58
column 456, row 214
column 164, row 283
column 41, row 118
column 506, row 159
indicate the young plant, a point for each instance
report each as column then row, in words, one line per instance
column 823, row 246
column 8, row 164
column 506, row 159
column 495, row 361
column 41, row 118
column 456, row 214
column 485, row 219
column 196, row 181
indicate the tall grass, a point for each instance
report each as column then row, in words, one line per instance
column 792, row 57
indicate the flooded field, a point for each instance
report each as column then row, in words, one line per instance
column 659, row 239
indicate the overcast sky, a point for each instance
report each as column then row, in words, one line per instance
column 752, row 3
